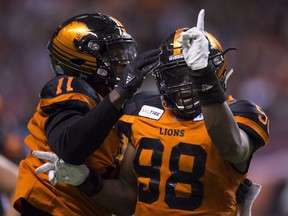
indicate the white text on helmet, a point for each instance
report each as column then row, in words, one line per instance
column 174, row 57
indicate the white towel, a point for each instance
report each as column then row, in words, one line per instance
column 245, row 208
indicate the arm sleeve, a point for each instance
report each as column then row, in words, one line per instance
column 74, row 136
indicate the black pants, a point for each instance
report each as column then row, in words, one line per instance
column 30, row 210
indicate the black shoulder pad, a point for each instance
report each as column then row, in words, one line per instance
column 247, row 109
column 66, row 92
column 150, row 98
column 252, row 119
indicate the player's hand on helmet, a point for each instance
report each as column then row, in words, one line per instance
column 135, row 71
column 195, row 45
column 59, row 171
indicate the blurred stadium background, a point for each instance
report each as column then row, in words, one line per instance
column 258, row 29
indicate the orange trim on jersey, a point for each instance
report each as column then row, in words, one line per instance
column 65, row 97
column 254, row 126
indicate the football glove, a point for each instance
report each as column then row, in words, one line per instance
column 59, row 171
column 195, row 45
column 135, row 71
column 196, row 52
column 76, row 175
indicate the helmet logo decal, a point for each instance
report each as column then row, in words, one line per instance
column 175, row 57
column 78, row 30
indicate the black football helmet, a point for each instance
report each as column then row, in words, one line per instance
column 94, row 47
column 172, row 76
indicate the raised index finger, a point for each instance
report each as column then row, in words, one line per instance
column 200, row 20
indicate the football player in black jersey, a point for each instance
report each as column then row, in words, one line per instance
column 96, row 70
column 191, row 146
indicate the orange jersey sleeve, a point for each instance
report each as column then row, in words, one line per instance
column 178, row 169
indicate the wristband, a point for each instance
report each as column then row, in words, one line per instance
column 92, row 185
column 208, row 86
column 242, row 190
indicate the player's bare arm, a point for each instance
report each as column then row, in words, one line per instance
column 232, row 143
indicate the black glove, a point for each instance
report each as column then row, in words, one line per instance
column 242, row 190
column 208, row 86
column 135, row 71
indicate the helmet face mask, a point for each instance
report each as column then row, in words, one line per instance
column 172, row 76
column 121, row 52
column 90, row 46
column 178, row 91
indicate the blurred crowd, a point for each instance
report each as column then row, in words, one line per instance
column 258, row 29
